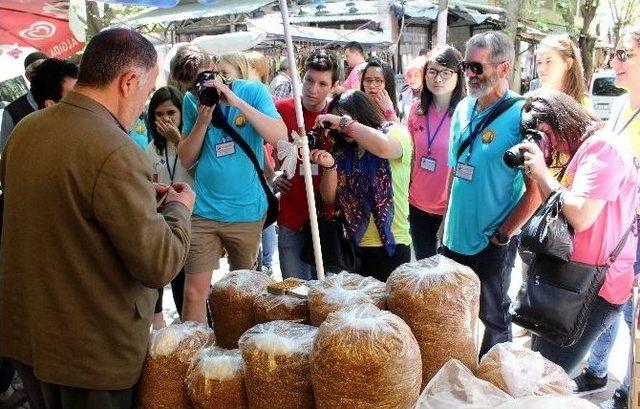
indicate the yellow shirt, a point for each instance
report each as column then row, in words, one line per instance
column 400, row 176
column 621, row 113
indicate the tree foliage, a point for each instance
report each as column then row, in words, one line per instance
column 624, row 13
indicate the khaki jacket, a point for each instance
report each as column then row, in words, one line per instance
column 82, row 247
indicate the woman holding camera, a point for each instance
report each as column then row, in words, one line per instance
column 600, row 197
column 378, row 82
column 164, row 122
column 367, row 178
column 429, row 125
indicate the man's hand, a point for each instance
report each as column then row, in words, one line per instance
column 182, row 192
column 282, row 184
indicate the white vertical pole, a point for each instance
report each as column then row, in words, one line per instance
column 306, row 163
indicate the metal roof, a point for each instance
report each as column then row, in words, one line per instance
column 273, row 27
column 338, row 11
column 428, row 10
column 196, row 10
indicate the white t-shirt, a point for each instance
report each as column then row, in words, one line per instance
column 168, row 164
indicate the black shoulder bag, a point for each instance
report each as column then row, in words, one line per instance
column 556, row 297
column 272, row 200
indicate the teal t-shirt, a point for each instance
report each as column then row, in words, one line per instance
column 478, row 207
column 139, row 134
column 226, row 184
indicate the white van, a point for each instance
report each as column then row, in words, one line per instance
column 603, row 92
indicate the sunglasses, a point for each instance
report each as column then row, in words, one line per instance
column 620, row 55
column 475, row 67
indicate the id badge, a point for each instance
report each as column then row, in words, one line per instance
column 315, row 170
column 225, row 149
column 464, row 171
column 428, row 164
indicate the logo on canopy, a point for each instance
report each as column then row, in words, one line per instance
column 38, row 31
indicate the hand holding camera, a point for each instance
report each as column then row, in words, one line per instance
column 211, row 88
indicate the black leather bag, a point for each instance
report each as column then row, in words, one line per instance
column 547, row 232
column 556, row 297
column 338, row 250
column 273, row 208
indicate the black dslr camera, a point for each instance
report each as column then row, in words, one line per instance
column 208, row 96
column 513, row 157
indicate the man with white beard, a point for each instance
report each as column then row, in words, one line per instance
column 489, row 201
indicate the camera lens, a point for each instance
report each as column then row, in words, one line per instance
column 513, row 158
column 207, row 96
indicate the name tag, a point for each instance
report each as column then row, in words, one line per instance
column 315, row 170
column 464, row 171
column 428, row 164
column 225, row 149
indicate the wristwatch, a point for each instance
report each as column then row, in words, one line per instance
column 344, row 121
column 502, row 239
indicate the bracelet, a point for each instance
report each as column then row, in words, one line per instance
column 332, row 167
column 388, row 113
column 348, row 129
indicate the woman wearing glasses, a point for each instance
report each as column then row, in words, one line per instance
column 429, row 124
column 559, row 66
column 625, row 122
column 378, row 82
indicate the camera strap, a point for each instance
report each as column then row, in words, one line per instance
column 503, row 106
column 219, row 121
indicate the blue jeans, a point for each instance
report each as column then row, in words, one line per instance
column 290, row 244
column 601, row 316
column 601, row 349
column 268, row 245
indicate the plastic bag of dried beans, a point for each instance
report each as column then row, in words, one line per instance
column 342, row 290
column 171, row 351
column 231, row 304
column 216, row 379
column 439, row 299
column 276, row 359
column 272, row 307
column 521, row 372
column 364, row 357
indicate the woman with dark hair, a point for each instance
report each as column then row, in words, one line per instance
column 599, row 187
column 429, row 123
column 378, row 82
column 367, row 177
column 164, row 122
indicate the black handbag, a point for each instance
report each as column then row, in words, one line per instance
column 273, row 208
column 556, row 297
column 547, row 232
column 338, row 250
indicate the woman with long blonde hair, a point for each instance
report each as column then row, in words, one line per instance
column 559, row 66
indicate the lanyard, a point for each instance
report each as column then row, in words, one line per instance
column 431, row 138
column 635, row 114
column 474, row 132
column 172, row 173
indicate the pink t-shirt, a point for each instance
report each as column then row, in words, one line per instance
column 353, row 80
column 603, row 168
column 428, row 189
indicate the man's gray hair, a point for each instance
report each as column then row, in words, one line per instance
column 500, row 46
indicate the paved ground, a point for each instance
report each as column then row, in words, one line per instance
column 617, row 362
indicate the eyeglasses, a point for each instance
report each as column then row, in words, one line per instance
column 621, row 55
column 445, row 74
column 475, row 67
column 370, row 81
